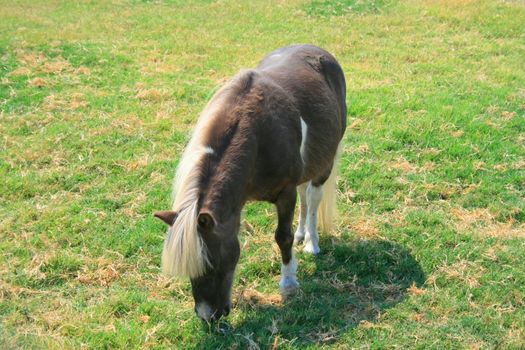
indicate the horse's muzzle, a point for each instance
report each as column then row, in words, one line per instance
column 205, row 312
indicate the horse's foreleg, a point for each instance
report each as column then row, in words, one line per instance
column 284, row 237
column 313, row 199
column 300, row 232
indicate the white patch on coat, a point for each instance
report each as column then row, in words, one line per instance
column 304, row 129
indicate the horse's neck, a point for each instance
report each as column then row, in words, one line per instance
column 228, row 186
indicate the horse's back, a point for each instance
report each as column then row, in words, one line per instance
column 315, row 81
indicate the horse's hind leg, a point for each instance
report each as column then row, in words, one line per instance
column 313, row 199
column 301, row 231
column 283, row 235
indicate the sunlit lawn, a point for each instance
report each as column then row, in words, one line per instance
column 97, row 100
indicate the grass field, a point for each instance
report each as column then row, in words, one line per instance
column 97, row 101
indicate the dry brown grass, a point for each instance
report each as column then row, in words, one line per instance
column 138, row 163
column 403, row 165
column 370, row 325
column 396, row 218
column 492, row 124
column 457, row 133
column 56, row 66
column 102, row 276
column 156, row 177
column 38, row 82
column 77, row 100
column 20, row 71
column 506, row 116
column 413, row 290
column 83, row 70
column 133, row 206
column 152, row 95
column 51, row 103
column 484, row 223
column 32, row 59
column 520, row 164
column 364, row 148
column 427, row 166
column 365, row 227
column 356, row 124
column 505, row 229
column 476, row 346
column 102, row 271
column 467, row 218
column 500, row 167
column 252, row 298
column 430, row 150
column 480, row 165
column 466, row 271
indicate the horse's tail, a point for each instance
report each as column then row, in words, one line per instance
column 327, row 211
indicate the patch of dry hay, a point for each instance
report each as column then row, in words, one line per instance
column 251, row 298
column 415, row 291
column 483, row 222
column 365, row 227
column 151, row 95
column 38, row 82
column 20, row 71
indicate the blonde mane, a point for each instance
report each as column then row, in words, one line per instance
column 185, row 253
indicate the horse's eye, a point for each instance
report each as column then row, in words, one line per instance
column 206, row 222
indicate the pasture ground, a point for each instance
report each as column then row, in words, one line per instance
column 97, row 100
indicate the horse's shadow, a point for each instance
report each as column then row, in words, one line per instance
column 347, row 284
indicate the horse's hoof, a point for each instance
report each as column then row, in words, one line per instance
column 288, row 287
column 310, row 248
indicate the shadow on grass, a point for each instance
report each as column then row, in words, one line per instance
column 348, row 283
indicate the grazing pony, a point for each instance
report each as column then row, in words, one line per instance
column 266, row 134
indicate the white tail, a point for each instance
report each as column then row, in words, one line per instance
column 327, row 211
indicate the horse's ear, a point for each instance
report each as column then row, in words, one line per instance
column 206, row 221
column 168, row 216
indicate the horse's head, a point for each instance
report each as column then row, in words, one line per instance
column 211, row 285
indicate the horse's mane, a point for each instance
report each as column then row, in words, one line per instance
column 185, row 252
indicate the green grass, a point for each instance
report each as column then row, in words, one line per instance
column 97, row 101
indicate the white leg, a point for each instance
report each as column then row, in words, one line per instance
column 313, row 198
column 299, row 234
column 288, row 284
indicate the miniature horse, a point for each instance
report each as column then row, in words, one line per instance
column 267, row 133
